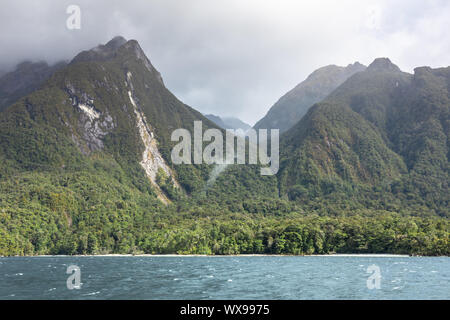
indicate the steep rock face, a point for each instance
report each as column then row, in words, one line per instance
column 152, row 160
column 290, row 108
column 92, row 124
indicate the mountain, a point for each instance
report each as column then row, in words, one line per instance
column 26, row 78
column 228, row 122
column 235, row 123
column 108, row 100
column 93, row 140
column 382, row 129
column 85, row 168
column 217, row 120
column 291, row 107
column 379, row 141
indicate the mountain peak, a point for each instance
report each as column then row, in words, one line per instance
column 382, row 64
column 24, row 79
column 116, row 42
column 133, row 46
column 228, row 122
column 355, row 67
column 332, row 70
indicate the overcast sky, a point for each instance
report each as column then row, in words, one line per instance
column 234, row 58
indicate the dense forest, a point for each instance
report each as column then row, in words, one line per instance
column 96, row 212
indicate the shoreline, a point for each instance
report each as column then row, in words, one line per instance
column 337, row 255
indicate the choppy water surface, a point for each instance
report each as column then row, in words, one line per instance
column 253, row 277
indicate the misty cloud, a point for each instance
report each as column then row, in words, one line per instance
column 234, row 58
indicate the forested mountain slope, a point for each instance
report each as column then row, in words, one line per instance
column 382, row 128
column 291, row 107
column 91, row 148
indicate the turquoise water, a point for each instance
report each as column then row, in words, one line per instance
column 253, row 277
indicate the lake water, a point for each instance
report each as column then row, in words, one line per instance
column 243, row 277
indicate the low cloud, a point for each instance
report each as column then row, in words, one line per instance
column 234, row 58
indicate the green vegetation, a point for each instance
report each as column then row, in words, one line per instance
column 380, row 140
column 365, row 171
column 26, row 78
column 291, row 107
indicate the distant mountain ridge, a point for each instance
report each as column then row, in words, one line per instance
column 228, row 122
column 291, row 107
column 109, row 100
column 85, row 166
column 217, row 120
